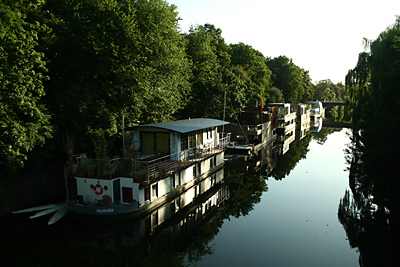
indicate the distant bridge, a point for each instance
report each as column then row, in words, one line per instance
column 332, row 103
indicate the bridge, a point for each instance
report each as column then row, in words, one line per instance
column 332, row 103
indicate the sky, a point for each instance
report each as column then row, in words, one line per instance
column 323, row 37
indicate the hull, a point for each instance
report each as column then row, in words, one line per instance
column 118, row 212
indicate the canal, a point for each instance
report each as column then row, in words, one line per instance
column 271, row 210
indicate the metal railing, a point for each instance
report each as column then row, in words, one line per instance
column 146, row 170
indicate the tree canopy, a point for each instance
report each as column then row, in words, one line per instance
column 373, row 88
column 259, row 75
column 24, row 120
column 293, row 81
column 70, row 70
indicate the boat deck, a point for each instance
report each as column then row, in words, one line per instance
column 147, row 169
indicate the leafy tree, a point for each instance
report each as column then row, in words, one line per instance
column 288, row 77
column 213, row 75
column 275, row 95
column 207, row 79
column 112, row 58
column 323, row 90
column 308, row 87
column 254, row 65
column 24, row 120
column 358, row 89
column 326, row 89
column 373, row 88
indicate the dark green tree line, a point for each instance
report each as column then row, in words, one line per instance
column 24, row 120
column 370, row 214
column 71, row 69
column 113, row 58
column 373, row 89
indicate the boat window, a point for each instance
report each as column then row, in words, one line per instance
column 154, row 190
column 147, row 193
column 184, row 141
column 147, row 143
column 199, row 137
column 192, row 139
column 162, row 143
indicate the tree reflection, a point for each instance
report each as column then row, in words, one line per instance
column 369, row 213
column 286, row 163
column 322, row 135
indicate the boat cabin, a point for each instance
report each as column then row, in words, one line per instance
column 176, row 138
column 316, row 109
column 168, row 157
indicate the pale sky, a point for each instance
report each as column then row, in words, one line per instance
column 323, row 37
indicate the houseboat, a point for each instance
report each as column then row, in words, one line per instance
column 169, row 158
column 255, row 127
column 286, row 125
column 317, row 110
column 303, row 120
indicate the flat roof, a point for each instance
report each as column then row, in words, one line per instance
column 189, row 125
column 278, row 104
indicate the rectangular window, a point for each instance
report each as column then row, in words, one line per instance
column 192, row 140
column 154, row 191
column 147, row 193
column 162, row 143
column 199, row 137
column 184, row 141
column 147, row 143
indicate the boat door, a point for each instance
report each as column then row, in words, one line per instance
column 117, row 190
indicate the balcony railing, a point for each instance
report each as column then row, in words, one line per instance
column 145, row 171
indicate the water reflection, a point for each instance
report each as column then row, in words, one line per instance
column 171, row 228
column 369, row 212
column 182, row 232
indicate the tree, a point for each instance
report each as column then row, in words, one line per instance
column 323, row 90
column 213, row 75
column 308, row 87
column 288, row 77
column 373, row 88
column 207, row 85
column 254, row 65
column 112, row 58
column 24, row 120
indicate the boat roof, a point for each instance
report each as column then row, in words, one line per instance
column 278, row 104
column 188, row 125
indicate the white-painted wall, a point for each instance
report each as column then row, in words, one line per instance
column 88, row 194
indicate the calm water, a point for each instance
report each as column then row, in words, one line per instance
column 296, row 222
column 250, row 220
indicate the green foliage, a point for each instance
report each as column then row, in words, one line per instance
column 213, row 75
column 293, row 81
column 88, row 63
column 207, row 51
column 259, row 75
column 327, row 90
column 24, row 121
column 374, row 95
column 113, row 58
column 275, row 95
